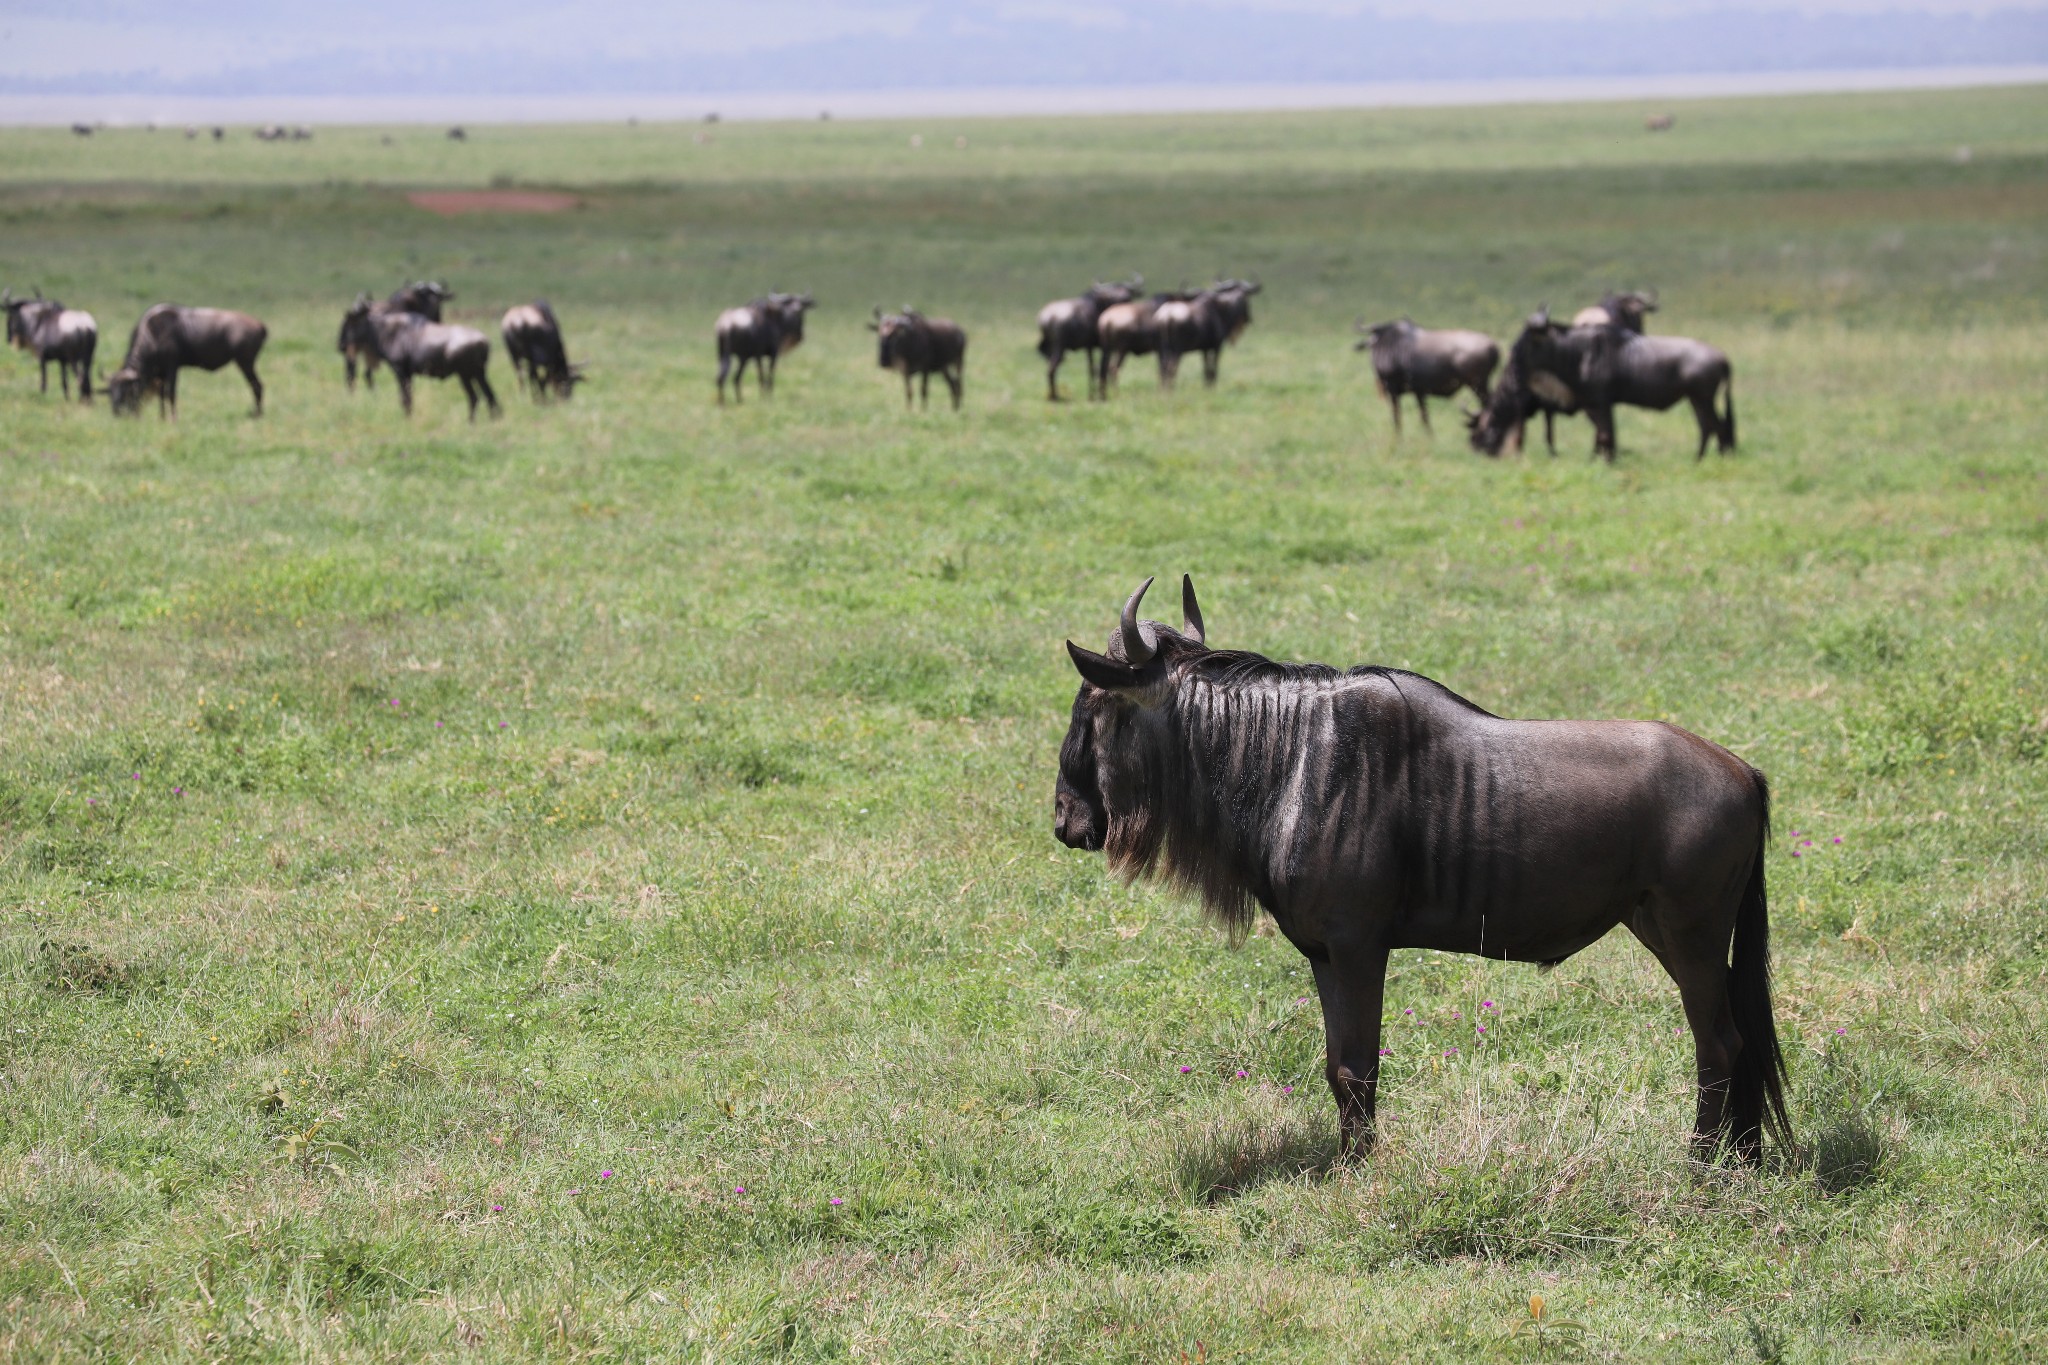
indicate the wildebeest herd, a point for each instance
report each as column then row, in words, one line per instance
column 1364, row 810
column 1604, row 358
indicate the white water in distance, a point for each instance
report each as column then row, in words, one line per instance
column 172, row 111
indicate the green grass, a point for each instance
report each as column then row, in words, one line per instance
column 642, row 787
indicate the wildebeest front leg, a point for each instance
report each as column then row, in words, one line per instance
column 1394, row 402
column 404, row 389
column 483, row 381
column 43, row 369
column 1422, row 406
column 1709, row 420
column 956, row 380
column 924, row 392
column 1603, row 432
column 1352, row 986
column 1212, row 361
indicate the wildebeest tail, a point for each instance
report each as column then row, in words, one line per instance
column 1756, row 1096
column 1728, row 416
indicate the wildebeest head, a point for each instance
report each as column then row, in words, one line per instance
column 791, row 309
column 1098, row 799
column 1630, row 307
column 125, row 391
column 424, row 297
column 1121, row 291
column 23, row 313
column 1380, row 333
column 889, row 330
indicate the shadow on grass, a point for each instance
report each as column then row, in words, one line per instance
column 1229, row 1156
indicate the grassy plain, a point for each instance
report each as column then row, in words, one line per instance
column 580, row 886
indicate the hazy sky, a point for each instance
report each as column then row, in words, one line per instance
column 55, row 39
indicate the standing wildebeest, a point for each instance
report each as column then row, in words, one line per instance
column 533, row 340
column 1073, row 325
column 762, row 331
column 1427, row 362
column 1595, row 368
column 53, row 332
column 1627, row 309
column 914, row 345
column 170, row 338
column 1374, row 809
column 424, row 297
column 414, row 345
column 1208, row 322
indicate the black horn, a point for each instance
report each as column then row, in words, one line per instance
column 1190, row 611
column 1140, row 644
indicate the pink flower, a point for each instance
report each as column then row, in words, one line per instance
column 1486, row 1004
column 1482, row 1028
column 1838, row 838
column 1185, row 1070
column 739, row 1189
column 1386, row 1052
column 1287, row 1090
column 604, row 1175
column 837, row 1201
column 1240, row 1073
column 577, row 1190
column 1408, row 1012
column 1840, row 1031
column 497, row 1208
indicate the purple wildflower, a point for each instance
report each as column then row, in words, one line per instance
column 1386, row 1052
column 1840, row 1031
column 1450, row 1052
column 1407, row 1011
column 1487, row 1005
column 1482, row 1028
column 739, row 1189
column 497, row 1208
column 177, row 791
column 1185, row 1070
column 1287, row 1090
column 604, row 1175
column 577, row 1190
column 92, row 800
column 135, row 777
column 1240, row 1073
column 837, row 1201
column 1838, row 838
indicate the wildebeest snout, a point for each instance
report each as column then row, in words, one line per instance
column 1074, row 821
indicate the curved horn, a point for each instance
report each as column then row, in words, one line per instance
column 1139, row 644
column 1190, row 611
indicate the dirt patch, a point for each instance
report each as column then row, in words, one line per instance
column 448, row 203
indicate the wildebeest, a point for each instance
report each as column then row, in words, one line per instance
column 533, row 342
column 1128, row 329
column 1207, row 322
column 762, row 331
column 1066, row 325
column 1374, row 809
column 1427, row 362
column 424, row 297
column 1658, row 123
column 1627, row 309
column 53, row 332
column 412, row 344
column 169, row 338
column 916, row 346
column 1596, row 368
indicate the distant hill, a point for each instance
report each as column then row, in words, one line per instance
column 983, row 43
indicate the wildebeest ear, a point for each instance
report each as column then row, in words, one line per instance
column 1190, row 611
column 1102, row 670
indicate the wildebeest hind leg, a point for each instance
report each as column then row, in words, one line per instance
column 1701, row 974
column 1710, row 423
column 956, row 380
column 1422, row 406
column 248, row 369
column 483, row 381
column 1352, row 987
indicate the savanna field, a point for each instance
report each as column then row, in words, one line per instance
column 581, row 886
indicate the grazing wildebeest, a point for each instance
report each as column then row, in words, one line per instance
column 1211, row 320
column 762, row 332
column 1658, row 123
column 414, row 345
column 53, row 332
column 1595, row 368
column 169, row 339
column 424, row 297
column 1374, row 809
column 1073, row 325
column 1427, row 362
column 916, row 346
column 1627, row 309
column 533, row 340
